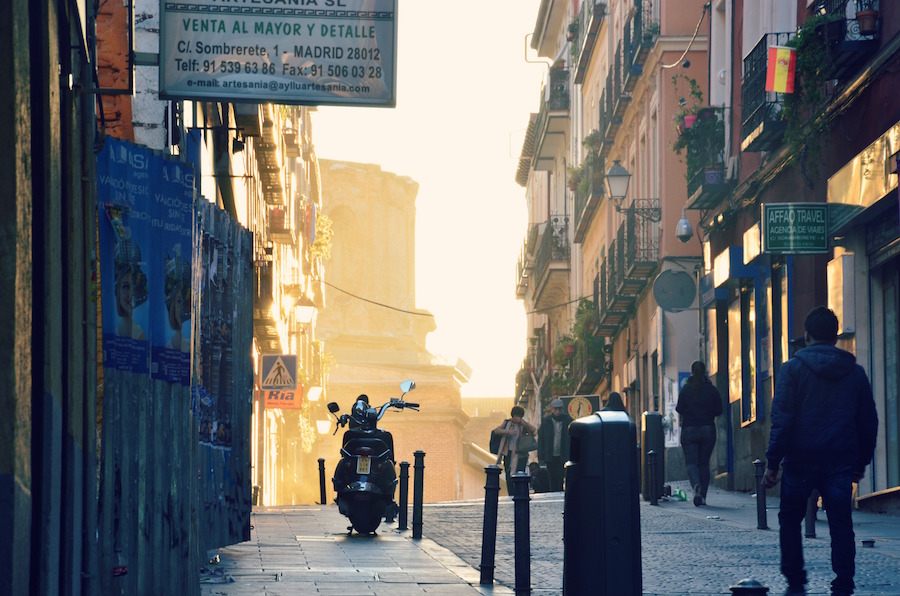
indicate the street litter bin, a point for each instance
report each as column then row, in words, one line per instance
column 602, row 524
column 652, row 438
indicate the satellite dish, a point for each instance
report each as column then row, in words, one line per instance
column 674, row 291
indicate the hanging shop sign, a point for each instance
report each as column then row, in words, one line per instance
column 794, row 228
column 311, row 52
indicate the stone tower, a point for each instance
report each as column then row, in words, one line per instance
column 373, row 329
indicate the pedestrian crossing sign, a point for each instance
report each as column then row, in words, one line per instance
column 279, row 371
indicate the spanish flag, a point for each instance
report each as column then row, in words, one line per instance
column 780, row 70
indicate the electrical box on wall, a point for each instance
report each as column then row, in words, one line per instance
column 841, row 295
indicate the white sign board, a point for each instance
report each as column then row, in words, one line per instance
column 311, row 52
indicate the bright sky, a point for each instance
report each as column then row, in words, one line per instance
column 464, row 93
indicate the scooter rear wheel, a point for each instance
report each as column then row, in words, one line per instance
column 366, row 519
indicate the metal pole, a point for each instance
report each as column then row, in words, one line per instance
column 761, row 523
column 418, row 484
column 489, row 531
column 321, row 480
column 651, row 465
column 404, row 495
column 812, row 507
column 522, row 528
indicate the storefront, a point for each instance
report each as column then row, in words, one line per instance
column 864, row 286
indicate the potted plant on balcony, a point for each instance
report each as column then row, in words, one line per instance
column 593, row 141
column 703, row 146
column 804, row 108
column 686, row 115
column 572, row 31
column 574, row 176
column 866, row 16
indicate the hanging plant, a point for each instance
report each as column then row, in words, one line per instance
column 805, row 107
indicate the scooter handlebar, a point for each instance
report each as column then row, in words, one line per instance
column 409, row 404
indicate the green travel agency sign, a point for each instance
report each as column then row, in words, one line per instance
column 794, row 228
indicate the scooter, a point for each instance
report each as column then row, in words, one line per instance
column 365, row 479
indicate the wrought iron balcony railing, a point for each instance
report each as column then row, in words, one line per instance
column 589, row 194
column 763, row 123
column 554, row 245
column 590, row 17
column 552, row 121
column 639, row 36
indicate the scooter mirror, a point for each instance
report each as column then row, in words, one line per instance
column 407, row 386
column 333, row 408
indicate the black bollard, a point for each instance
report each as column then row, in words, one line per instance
column 522, row 528
column 651, row 464
column 321, row 481
column 761, row 523
column 489, row 531
column 418, row 485
column 749, row 587
column 404, row 495
column 812, row 507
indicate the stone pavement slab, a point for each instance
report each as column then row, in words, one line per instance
column 307, row 550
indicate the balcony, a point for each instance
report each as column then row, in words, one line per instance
column 590, row 18
column 265, row 331
column 639, row 36
column 588, row 195
column 551, row 264
column 704, row 147
column 848, row 48
column 552, row 121
column 613, row 306
column 281, row 229
column 269, row 160
column 763, row 126
column 613, row 103
column 588, row 365
column 641, row 242
column 522, row 272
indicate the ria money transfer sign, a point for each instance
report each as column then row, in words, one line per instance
column 340, row 52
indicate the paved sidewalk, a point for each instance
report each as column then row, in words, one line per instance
column 684, row 550
column 306, row 550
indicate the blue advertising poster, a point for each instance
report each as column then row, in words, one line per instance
column 145, row 206
column 170, row 265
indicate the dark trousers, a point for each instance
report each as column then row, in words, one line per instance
column 697, row 443
column 835, row 486
column 556, row 470
column 520, row 467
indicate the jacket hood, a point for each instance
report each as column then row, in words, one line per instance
column 827, row 361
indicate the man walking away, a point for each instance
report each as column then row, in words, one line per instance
column 824, row 426
column 553, row 443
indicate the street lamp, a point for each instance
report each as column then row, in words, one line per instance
column 617, row 180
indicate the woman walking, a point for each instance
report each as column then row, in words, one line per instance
column 699, row 402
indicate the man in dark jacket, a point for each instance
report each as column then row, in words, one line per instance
column 553, row 443
column 824, row 426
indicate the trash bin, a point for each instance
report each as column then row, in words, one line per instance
column 652, row 437
column 602, row 524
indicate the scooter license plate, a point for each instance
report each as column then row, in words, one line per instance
column 363, row 464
